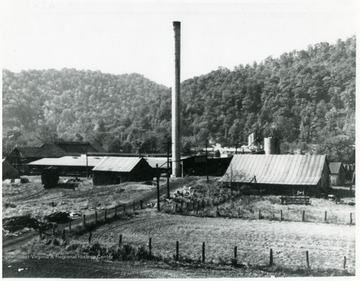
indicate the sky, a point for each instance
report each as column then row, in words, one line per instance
column 137, row 36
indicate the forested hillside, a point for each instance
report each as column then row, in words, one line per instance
column 304, row 97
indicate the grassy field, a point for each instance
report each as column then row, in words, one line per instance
column 327, row 244
column 213, row 200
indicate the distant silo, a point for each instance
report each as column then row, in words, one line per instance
column 271, row 145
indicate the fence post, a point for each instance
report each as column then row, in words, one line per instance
column 150, row 246
column 63, row 235
column 350, row 218
column 281, row 215
column 271, row 257
column 259, row 214
column 239, row 214
column 307, row 259
column 90, row 236
column 203, row 252
column 96, row 218
column 344, row 262
column 235, row 255
column 177, row 251
column 176, row 208
column 115, row 215
column 120, row 240
column 84, row 220
column 105, row 215
column 181, row 206
column 69, row 225
column 325, row 218
column 303, row 216
column 141, row 202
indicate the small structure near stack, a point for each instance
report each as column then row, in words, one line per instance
column 116, row 170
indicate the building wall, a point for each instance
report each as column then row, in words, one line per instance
column 141, row 172
column 325, row 179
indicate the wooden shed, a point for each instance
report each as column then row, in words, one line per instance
column 115, row 170
column 280, row 174
column 337, row 174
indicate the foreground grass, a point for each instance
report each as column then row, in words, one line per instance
column 99, row 268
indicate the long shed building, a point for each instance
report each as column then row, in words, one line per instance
column 115, row 170
column 280, row 174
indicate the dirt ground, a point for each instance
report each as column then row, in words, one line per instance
column 327, row 244
column 32, row 198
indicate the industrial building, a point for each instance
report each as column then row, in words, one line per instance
column 280, row 174
column 67, row 165
column 115, row 170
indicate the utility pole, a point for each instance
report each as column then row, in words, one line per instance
column 167, row 169
column 158, row 187
column 206, row 163
column 86, row 156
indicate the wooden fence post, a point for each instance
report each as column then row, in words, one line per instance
column 344, row 262
column 325, row 218
column 281, row 215
column 141, row 204
column 120, row 240
column 307, row 259
column 176, row 208
column 235, row 255
column 181, row 206
column 90, row 236
column 351, row 219
column 84, row 220
column 177, row 251
column 303, row 216
column 259, row 214
column 271, row 257
column 69, row 225
column 203, row 252
column 150, row 246
column 239, row 214
column 96, row 217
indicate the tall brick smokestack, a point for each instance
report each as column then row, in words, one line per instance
column 175, row 106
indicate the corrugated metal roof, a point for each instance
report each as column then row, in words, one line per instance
column 276, row 169
column 75, row 161
column 161, row 161
column 117, row 164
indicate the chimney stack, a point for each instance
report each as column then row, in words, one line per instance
column 175, row 106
